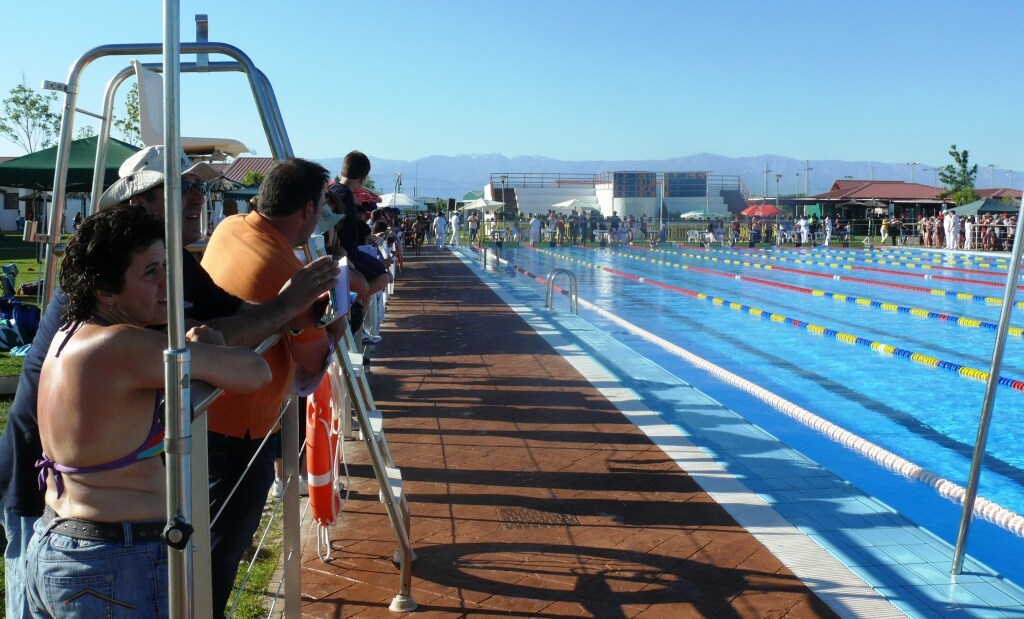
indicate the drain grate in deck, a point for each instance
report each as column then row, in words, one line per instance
column 525, row 518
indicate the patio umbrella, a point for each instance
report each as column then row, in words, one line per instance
column 694, row 215
column 35, row 170
column 403, row 202
column 483, row 204
column 761, row 210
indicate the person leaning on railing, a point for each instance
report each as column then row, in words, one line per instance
column 252, row 256
column 141, row 182
column 97, row 550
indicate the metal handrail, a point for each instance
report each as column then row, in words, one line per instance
column 573, row 293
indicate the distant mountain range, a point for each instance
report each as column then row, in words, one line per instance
column 445, row 176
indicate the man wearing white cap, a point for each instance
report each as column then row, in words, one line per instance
column 141, row 182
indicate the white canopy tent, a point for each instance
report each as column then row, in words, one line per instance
column 401, row 201
column 483, row 204
column 575, row 204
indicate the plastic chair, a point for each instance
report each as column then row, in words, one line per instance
column 151, row 114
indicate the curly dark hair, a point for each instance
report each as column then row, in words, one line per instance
column 99, row 253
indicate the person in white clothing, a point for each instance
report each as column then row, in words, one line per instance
column 951, row 224
column 828, row 230
column 968, row 232
column 455, row 229
column 440, row 229
column 805, row 230
column 534, row 230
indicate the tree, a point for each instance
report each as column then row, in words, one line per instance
column 27, row 119
column 372, row 186
column 129, row 125
column 251, row 178
column 85, row 131
column 959, row 178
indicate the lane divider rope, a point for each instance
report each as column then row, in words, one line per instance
column 961, row 370
column 960, row 321
column 959, row 295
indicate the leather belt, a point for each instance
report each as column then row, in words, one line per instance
column 111, row 532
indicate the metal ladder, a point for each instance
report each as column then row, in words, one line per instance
column 573, row 293
column 389, row 476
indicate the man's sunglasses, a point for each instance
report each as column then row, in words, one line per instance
column 188, row 186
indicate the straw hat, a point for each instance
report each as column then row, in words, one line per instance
column 145, row 170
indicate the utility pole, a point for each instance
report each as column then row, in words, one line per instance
column 807, row 177
column 766, row 172
column 991, row 176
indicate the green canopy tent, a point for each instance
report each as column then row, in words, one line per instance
column 985, row 205
column 35, row 170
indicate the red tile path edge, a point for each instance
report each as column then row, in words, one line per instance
column 531, row 495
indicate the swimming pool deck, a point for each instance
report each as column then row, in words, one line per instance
column 540, row 487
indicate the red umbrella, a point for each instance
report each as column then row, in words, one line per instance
column 761, row 210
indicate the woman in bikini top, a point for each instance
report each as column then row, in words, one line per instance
column 100, row 417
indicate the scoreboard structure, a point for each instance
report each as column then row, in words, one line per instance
column 686, row 184
column 635, row 184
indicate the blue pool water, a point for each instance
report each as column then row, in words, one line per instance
column 924, row 414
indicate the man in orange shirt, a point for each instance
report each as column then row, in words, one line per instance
column 251, row 256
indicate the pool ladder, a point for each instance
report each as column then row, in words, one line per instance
column 573, row 293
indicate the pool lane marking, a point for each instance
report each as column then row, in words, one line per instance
column 939, row 261
column 771, row 254
column 961, row 370
column 983, row 508
column 961, row 296
column 952, row 319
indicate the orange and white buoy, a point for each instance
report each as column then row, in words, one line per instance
column 323, row 459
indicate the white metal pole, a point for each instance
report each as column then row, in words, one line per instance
column 177, row 440
column 971, row 495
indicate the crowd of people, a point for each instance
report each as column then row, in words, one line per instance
column 947, row 230
column 81, row 474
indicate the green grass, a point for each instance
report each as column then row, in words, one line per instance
column 253, row 602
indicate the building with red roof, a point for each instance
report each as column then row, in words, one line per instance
column 998, row 193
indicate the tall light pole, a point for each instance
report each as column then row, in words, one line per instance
column 1011, row 178
column 767, row 171
column 936, row 171
column 796, row 185
column 416, row 180
column 807, row 177
column 778, row 177
column 504, row 178
column 991, row 173
column 873, row 172
column 913, row 171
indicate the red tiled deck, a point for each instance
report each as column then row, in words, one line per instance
column 531, row 495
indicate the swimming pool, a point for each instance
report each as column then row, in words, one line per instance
column 886, row 344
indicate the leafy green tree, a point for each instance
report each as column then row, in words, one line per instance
column 85, row 131
column 251, row 178
column 128, row 126
column 372, row 186
column 28, row 120
column 959, row 178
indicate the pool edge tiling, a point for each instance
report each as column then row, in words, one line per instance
column 857, row 554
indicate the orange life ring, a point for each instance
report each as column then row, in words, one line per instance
column 322, row 455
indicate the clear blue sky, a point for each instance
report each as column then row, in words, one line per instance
column 580, row 80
